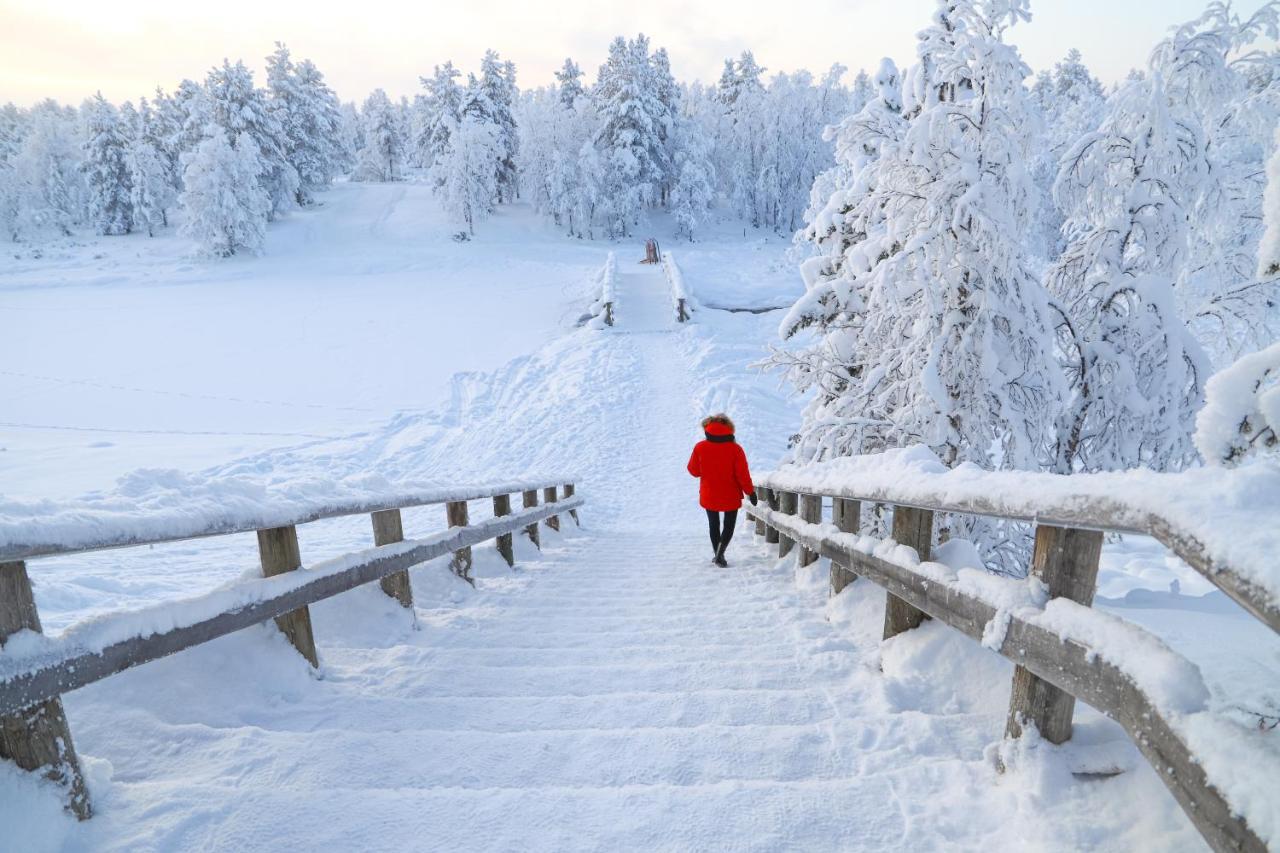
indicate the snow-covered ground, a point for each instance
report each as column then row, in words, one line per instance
column 618, row 691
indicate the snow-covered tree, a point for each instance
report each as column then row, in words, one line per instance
column 1241, row 415
column 225, row 204
column 438, row 114
column 244, row 112
column 693, row 192
column 49, row 194
column 498, row 82
column 1136, row 371
column 151, row 181
column 850, row 232
column 381, row 158
column 569, row 80
column 629, row 141
column 310, row 117
column 106, row 168
column 466, row 174
column 1269, row 247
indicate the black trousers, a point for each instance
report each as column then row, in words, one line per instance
column 720, row 536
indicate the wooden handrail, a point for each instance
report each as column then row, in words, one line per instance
column 1082, row 511
column 66, row 665
column 1051, row 654
column 34, row 732
column 58, row 541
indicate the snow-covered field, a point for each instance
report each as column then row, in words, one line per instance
column 618, row 691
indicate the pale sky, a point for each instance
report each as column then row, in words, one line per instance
column 68, row 49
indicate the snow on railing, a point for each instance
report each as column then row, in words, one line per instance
column 680, row 299
column 1221, row 522
column 35, row 671
column 602, row 308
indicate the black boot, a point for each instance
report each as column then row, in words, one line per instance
column 719, row 559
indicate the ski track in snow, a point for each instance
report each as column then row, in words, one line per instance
column 616, row 692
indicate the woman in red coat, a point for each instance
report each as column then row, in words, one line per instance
column 721, row 465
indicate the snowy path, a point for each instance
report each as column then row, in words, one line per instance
column 618, row 692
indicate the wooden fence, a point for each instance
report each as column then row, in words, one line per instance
column 680, row 299
column 34, row 732
column 1053, row 668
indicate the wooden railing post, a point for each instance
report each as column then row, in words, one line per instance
column 1066, row 560
column 38, row 737
column 762, row 497
column 787, row 503
column 501, row 507
column 914, row 528
column 568, row 493
column 278, row 550
column 810, row 511
column 456, row 514
column 549, row 495
column 847, row 515
column 771, row 535
column 388, row 528
column 530, row 500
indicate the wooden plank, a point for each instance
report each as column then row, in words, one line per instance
column 37, row 737
column 529, row 500
column 568, row 493
column 847, row 516
column 278, row 550
column 762, row 497
column 502, row 507
column 810, row 511
column 1072, row 666
column 388, row 528
column 68, row 668
column 456, row 514
column 549, row 495
column 914, row 528
column 1066, row 560
column 788, row 503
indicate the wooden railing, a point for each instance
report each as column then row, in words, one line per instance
column 34, row 732
column 1055, row 663
column 608, row 283
column 680, row 299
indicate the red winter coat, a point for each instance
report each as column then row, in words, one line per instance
column 722, row 468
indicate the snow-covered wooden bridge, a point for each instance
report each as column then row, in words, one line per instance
column 620, row 692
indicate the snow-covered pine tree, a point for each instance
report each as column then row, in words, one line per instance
column 628, row 142
column 351, row 136
column 382, row 156
column 309, row 116
column 498, row 82
column 467, row 176
column 106, row 168
column 849, row 230
column 1135, row 369
column 223, row 199
column 441, row 110
column 152, row 184
column 166, row 135
column 191, row 107
column 569, row 80
column 245, row 112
